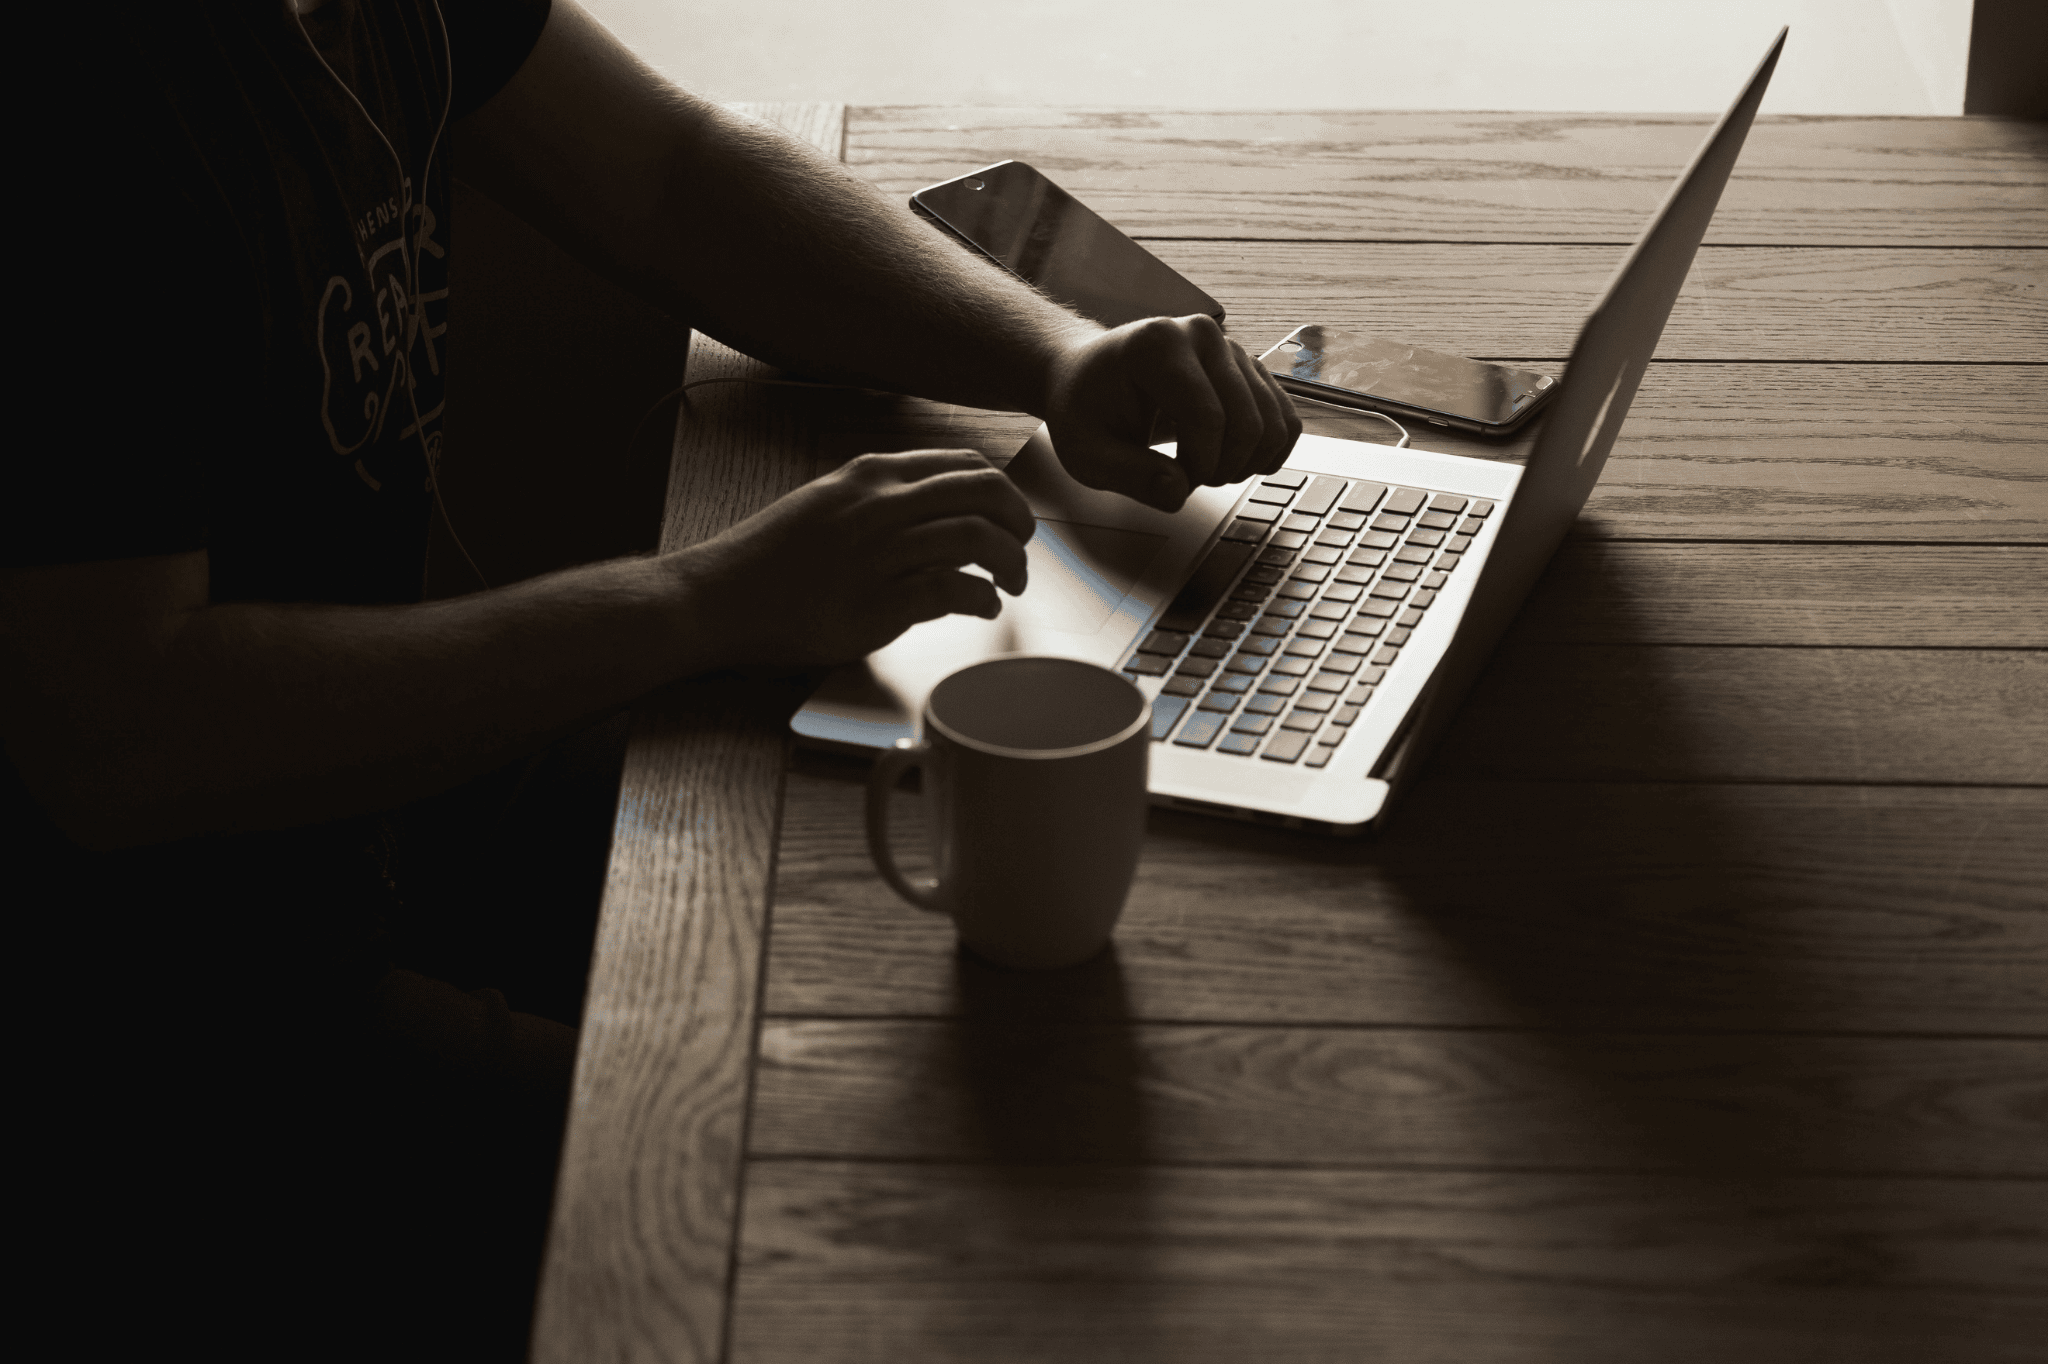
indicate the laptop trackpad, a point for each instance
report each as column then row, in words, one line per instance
column 1081, row 573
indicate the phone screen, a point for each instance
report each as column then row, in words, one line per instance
column 1395, row 372
column 1058, row 244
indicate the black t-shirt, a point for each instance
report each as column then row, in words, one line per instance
column 241, row 219
column 258, row 332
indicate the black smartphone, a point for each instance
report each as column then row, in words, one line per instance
column 1033, row 228
column 1353, row 370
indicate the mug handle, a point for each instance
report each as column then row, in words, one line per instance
column 889, row 769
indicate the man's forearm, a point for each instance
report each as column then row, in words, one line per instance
column 256, row 715
column 751, row 236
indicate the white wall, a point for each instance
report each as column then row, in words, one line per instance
column 1844, row 56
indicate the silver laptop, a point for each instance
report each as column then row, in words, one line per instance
column 1305, row 638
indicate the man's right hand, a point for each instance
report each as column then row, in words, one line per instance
column 845, row 564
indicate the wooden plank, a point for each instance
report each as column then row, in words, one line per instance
column 639, row 1248
column 1663, row 713
column 1226, row 1094
column 1430, row 176
column 1855, row 304
column 1488, row 904
column 1892, row 596
column 849, row 1263
column 1769, row 451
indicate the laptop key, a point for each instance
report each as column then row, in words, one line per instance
column 1447, row 502
column 1223, row 629
column 1401, row 573
column 1286, row 478
column 1296, row 521
column 1227, row 681
column 1410, row 618
column 1163, row 642
column 1346, row 592
column 1330, row 610
column 1264, row 703
column 1237, row 610
column 1387, row 657
column 1323, row 554
column 1207, row 586
column 1265, row 576
column 1310, row 573
column 1345, row 715
column 1223, row 701
column 1436, row 580
column 1346, row 520
column 1211, row 648
column 1241, row 744
column 1275, row 556
column 1335, row 539
column 1257, row 512
column 1182, row 686
column 1391, row 591
column 1389, row 524
column 1148, row 665
column 1480, row 509
column 1371, row 607
column 1251, row 665
column 1341, row 664
column 1291, row 667
column 1397, row 636
column 1471, row 526
column 1315, row 629
column 1242, row 529
column 1277, row 685
column 1406, row 501
column 1288, row 539
column 1166, row 710
column 1272, row 495
column 1317, row 497
column 1251, row 724
column 1319, row 756
column 1300, row 721
column 1363, row 497
column 1412, row 554
column 1261, row 645
column 1425, row 598
column 1436, row 520
column 1301, row 648
column 1285, row 746
column 1200, row 729
column 1362, row 563
column 1432, row 538
column 1195, row 667
column 1458, row 544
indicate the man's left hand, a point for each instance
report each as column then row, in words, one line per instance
column 1113, row 394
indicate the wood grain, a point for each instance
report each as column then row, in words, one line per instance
column 1487, row 176
column 854, row 1263
column 639, row 1249
column 1664, row 713
column 1488, row 904
column 1890, row 596
column 1852, row 304
column 1228, row 1094
column 1764, row 451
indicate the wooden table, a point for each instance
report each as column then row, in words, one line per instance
column 1696, row 1008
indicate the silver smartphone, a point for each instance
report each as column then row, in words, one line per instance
column 1354, row 370
column 1033, row 228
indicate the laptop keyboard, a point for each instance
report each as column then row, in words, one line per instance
column 1275, row 645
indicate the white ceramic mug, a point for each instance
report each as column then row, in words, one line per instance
column 1034, row 785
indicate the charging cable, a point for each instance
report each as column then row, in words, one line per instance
column 1401, row 444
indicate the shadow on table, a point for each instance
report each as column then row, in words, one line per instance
column 1057, row 1116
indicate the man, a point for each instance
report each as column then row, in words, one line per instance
column 222, row 688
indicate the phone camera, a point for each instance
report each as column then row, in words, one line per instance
column 975, row 184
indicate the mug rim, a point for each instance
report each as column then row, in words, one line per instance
column 1143, row 720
